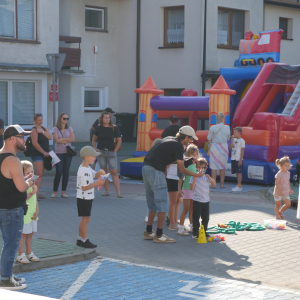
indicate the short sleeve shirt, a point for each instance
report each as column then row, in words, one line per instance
column 1, row 137
column 164, row 153
column 201, row 191
column 284, row 178
column 106, row 136
column 95, row 124
column 187, row 178
column 85, row 176
column 237, row 146
column 171, row 130
column 62, row 148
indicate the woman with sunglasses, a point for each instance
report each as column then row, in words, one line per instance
column 40, row 137
column 103, row 141
column 63, row 136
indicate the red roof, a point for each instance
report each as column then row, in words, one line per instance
column 220, row 87
column 149, row 87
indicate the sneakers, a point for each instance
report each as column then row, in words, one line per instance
column 64, row 196
column 182, row 231
column 23, row 259
column 237, row 189
column 32, row 257
column 88, row 244
column 195, row 236
column 191, row 228
column 54, row 195
column 18, row 279
column 148, row 236
column 163, row 239
column 12, row 284
column 78, row 243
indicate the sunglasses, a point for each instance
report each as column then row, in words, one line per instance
column 20, row 136
column 38, row 115
column 65, row 119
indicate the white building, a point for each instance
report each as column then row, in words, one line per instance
column 134, row 39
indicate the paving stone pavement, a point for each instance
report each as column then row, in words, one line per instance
column 114, row 279
column 269, row 257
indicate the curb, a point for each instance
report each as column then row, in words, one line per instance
column 55, row 261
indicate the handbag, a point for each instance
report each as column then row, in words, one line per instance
column 71, row 150
column 47, row 163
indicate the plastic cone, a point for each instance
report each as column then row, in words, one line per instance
column 202, row 236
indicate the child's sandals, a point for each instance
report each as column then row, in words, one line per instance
column 281, row 216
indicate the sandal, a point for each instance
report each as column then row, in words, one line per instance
column 173, row 227
column 41, row 196
column 281, row 216
column 120, row 195
column 106, row 193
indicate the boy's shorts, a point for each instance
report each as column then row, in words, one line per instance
column 235, row 169
column 279, row 198
column 84, row 207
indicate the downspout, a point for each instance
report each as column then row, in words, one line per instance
column 138, row 41
column 204, row 50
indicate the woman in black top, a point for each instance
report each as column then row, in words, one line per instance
column 40, row 137
column 103, row 141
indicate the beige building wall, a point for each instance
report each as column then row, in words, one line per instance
column 47, row 37
column 289, row 48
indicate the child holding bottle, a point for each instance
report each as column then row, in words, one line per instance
column 282, row 188
column 30, row 219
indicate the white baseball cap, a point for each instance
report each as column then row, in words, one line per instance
column 188, row 130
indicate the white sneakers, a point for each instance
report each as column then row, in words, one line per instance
column 182, row 231
column 237, row 189
column 25, row 259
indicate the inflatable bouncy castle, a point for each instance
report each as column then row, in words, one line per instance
column 258, row 93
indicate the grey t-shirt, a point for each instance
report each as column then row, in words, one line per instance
column 1, row 137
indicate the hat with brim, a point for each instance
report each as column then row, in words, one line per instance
column 88, row 151
column 14, row 130
column 188, row 130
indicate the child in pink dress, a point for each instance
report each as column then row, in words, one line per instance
column 282, row 188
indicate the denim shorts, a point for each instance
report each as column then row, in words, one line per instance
column 37, row 158
column 156, row 189
column 107, row 158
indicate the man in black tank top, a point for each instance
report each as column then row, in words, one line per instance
column 13, row 196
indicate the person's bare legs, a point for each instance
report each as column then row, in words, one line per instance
column 83, row 225
column 21, row 246
column 39, row 171
column 185, row 210
column 28, row 243
column 277, row 207
column 177, row 206
column 106, row 182
column 287, row 204
column 222, row 178
column 172, row 204
column 116, row 181
column 214, row 174
column 239, row 179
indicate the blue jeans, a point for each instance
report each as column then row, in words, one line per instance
column 156, row 189
column 11, row 225
column 62, row 169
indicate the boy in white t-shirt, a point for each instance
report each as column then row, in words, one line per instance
column 237, row 147
column 85, row 192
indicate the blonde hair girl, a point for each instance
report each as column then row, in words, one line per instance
column 191, row 152
column 282, row 186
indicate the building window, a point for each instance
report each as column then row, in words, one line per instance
column 172, row 92
column 174, row 26
column 95, row 99
column 230, row 27
column 286, row 25
column 95, row 18
column 18, row 20
column 17, row 101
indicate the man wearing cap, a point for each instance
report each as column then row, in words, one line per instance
column 165, row 152
column 172, row 129
column 13, row 196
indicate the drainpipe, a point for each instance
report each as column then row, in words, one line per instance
column 204, row 51
column 138, row 41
